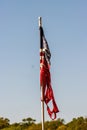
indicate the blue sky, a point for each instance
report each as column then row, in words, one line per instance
column 65, row 27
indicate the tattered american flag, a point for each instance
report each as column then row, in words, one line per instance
column 45, row 77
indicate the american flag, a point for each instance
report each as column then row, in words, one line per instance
column 45, row 76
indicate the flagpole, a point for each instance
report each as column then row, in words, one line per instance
column 42, row 92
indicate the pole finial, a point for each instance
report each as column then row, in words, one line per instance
column 40, row 21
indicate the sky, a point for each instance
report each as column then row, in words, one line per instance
column 65, row 28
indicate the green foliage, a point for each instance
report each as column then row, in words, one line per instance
column 35, row 127
column 28, row 121
column 79, row 123
column 4, row 122
column 24, row 125
column 53, row 125
column 62, row 127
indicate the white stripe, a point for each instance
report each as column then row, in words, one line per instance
column 41, row 50
column 41, row 65
column 41, row 57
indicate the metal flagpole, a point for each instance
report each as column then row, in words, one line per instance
column 42, row 94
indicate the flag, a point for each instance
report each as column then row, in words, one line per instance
column 45, row 76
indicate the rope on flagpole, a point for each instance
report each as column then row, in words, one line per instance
column 42, row 92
